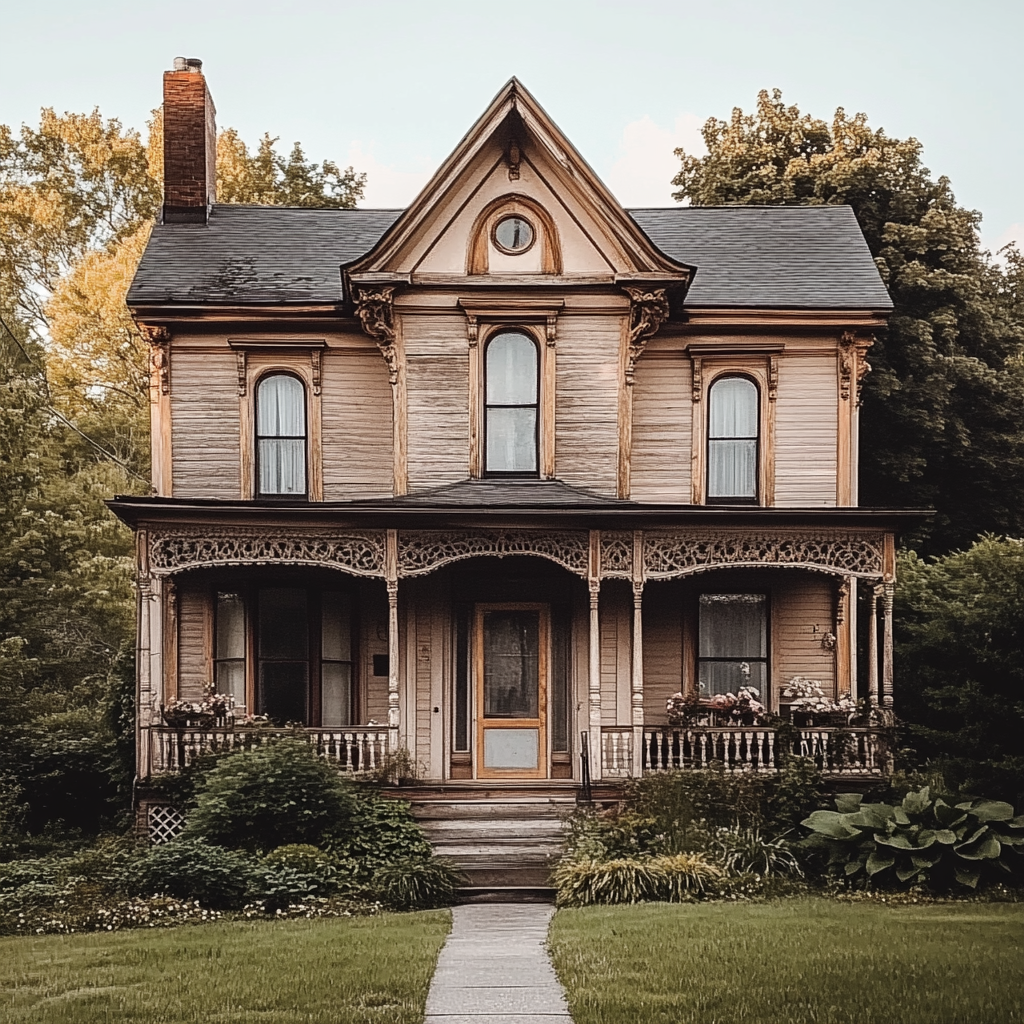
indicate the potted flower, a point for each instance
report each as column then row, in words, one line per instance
column 212, row 710
column 809, row 704
column 741, row 708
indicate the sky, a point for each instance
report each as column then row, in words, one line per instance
column 391, row 86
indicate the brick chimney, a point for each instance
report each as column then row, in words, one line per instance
column 190, row 144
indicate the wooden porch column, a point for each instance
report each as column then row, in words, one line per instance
column 637, row 680
column 873, row 649
column 889, row 590
column 594, row 584
column 143, row 668
column 391, row 570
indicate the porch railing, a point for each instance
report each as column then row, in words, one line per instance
column 357, row 749
column 853, row 751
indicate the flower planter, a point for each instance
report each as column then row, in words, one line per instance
column 186, row 720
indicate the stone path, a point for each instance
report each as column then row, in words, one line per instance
column 494, row 969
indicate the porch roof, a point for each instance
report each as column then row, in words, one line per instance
column 473, row 503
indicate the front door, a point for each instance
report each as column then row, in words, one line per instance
column 511, row 670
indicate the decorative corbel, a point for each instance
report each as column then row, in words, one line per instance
column 698, row 379
column 159, row 339
column 317, row 368
column 514, row 156
column 863, row 366
column 648, row 312
column 773, row 378
column 472, row 330
column 842, row 597
column 375, row 309
column 552, row 321
column 853, row 364
column 241, row 361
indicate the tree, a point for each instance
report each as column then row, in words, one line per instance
column 942, row 424
column 960, row 642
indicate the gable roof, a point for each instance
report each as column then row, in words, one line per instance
column 809, row 257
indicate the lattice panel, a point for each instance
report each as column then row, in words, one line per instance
column 423, row 551
column 164, row 823
column 668, row 555
column 617, row 554
column 361, row 554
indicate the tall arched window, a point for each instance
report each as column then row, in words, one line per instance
column 510, row 426
column 732, row 440
column 281, row 436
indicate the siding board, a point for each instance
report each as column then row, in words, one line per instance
column 193, row 619
column 662, row 430
column 806, row 431
column 798, row 605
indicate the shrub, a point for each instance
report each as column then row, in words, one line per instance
column 276, row 794
column 798, row 790
column 613, row 835
column 922, row 840
column 416, row 884
column 381, row 831
column 294, row 874
column 745, row 851
column 191, row 869
column 673, row 878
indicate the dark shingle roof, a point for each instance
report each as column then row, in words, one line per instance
column 755, row 256
column 789, row 256
column 256, row 254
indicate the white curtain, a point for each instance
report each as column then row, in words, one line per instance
column 281, row 427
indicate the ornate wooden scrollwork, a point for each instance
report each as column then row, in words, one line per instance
column 174, row 550
column 159, row 339
column 423, row 551
column 853, row 365
column 667, row 555
column 616, row 554
column 648, row 311
column 375, row 309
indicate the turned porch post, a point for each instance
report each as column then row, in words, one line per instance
column 391, row 570
column 873, row 649
column 889, row 590
column 637, row 680
column 594, row 586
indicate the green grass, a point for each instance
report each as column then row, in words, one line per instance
column 799, row 962
column 369, row 970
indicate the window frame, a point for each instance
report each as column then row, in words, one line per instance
column 249, row 591
column 257, row 437
column 537, row 405
column 763, row 592
column 754, row 499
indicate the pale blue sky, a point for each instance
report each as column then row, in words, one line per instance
column 391, row 86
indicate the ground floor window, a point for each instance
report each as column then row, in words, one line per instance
column 287, row 652
column 732, row 648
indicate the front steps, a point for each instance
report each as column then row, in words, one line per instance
column 503, row 839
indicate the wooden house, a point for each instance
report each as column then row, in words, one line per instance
column 474, row 487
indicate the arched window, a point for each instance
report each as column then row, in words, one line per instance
column 281, row 436
column 510, row 426
column 732, row 440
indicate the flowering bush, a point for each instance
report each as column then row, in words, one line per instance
column 685, row 708
column 809, row 696
column 219, row 705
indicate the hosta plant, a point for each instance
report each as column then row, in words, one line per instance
column 924, row 840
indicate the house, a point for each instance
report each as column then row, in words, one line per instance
column 476, row 486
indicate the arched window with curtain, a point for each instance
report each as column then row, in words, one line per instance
column 281, row 436
column 733, row 416
column 511, row 386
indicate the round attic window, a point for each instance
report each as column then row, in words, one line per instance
column 513, row 235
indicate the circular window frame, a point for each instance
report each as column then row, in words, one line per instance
column 508, row 215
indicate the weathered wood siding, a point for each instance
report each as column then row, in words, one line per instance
column 616, row 638
column 373, row 625
column 194, row 669
column 806, row 428
column 437, row 389
column 799, row 603
column 663, row 648
column 356, row 411
column 204, row 422
column 586, row 402
column 662, row 429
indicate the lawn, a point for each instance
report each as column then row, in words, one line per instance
column 797, row 962
column 338, row 971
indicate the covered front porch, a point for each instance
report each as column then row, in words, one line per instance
column 612, row 618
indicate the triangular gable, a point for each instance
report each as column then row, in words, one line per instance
column 516, row 149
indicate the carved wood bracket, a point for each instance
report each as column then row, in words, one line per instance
column 159, row 339
column 375, row 309
column 648, row 311
column 853, row 365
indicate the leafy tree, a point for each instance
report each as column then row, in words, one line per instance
column 942, row 424
column 960, row 645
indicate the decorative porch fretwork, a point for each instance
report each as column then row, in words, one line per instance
column 423, row 551
column 667, row 555
column 359, row 553
column 616, row 554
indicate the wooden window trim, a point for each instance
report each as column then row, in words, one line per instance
column 764, row 373
column 492, row 336
column 765, row 696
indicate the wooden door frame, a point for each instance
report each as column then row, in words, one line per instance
column 543, row 669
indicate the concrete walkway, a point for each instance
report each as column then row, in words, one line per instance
column 494, row 969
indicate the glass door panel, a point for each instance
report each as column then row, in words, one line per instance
column 511, row 683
